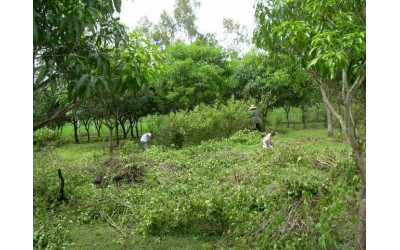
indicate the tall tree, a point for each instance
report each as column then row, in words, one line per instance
column 185, row 16
column 236, row 36
column 132, row 68
column 195, row 74
column 329, row 37
column 165, row 31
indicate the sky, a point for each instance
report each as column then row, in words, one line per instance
column 209, row 15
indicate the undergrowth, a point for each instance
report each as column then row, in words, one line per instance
column 301, row 194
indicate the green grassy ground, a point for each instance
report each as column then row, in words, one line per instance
column 224, row 194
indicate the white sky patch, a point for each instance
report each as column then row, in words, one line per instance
column 209, row 15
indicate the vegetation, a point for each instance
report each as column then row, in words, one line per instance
column 205, row 182
column 224, row 193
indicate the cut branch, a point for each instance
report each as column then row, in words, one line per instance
column 62, row 196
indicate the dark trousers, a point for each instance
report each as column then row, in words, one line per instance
column 258, row 127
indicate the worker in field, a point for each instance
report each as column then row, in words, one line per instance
column 145, row 140
column 256, row 117
column 267, row 140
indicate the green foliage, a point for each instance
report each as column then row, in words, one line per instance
column 45, row 135
column 195, row 74
column 201, row 124
column 327, row 36
column 49, row 232
column 299, row 195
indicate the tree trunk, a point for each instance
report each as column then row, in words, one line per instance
column 110, row 140
column 79, row 128
column 137, row 130
column 75, row 123
column 131, row 128
column 329, row 121
column 287, row 110
column 340, row 127
column 98, row 125
column 86, row 124
column 360, row 156
column 88, row 133
column 141, row 127
column 116, row 133
column 124, row 131
column 131, row 123
column 362, row 223
column 303, row 115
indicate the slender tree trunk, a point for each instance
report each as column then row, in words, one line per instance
column 131, row 129
column 98, row 124
column 124, row 131
column 287, row 110
column 86, row 124
column 75, row 123
column 340, row 127
column 141, row 127
column 329, row 121
column 110, row 140
column 88, row 133
column 116, row 133
column 348, row 127
column 137, row 129
column 303, row 115
column 131, row 123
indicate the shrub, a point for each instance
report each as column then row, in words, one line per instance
column 43, row 136
column 202, row 123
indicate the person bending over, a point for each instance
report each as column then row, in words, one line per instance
column 267, row 140
column 145, row 140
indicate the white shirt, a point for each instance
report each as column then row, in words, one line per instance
column 146, row 137
column 267, row 141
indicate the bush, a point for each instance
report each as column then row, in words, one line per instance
column 203, row 123
column 45, row 135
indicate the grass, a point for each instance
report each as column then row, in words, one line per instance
column 227, row 193
column 102, row 236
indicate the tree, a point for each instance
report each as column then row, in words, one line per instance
column 71, row 45
column 85, row 116
column 272, row 80
column 73, row 119
column 236, row 35
column 329, row 37
column 195, row 74
column 185, row 16
column 132, row 68
column 165, row 31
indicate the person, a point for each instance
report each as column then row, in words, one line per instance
column 267, row 140
column 145, row 140
column 256, row 117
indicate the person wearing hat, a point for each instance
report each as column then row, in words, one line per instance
column 256, row 117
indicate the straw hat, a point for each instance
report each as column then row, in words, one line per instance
column 253, row 106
